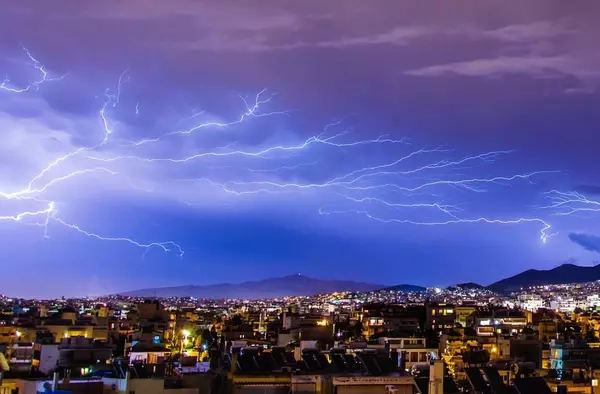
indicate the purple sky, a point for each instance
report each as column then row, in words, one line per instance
column 368, row 157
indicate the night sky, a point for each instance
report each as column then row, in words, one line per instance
column 188, row 142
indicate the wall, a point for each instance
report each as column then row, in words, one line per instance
column 374, row 389
column 30, row 386
column 61, row 332
column 49, row 356
column 260, row 389
column 146, row 386
column 120, row 385
column 95, row 387
column 182, row 391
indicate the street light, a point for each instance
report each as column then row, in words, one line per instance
column 185, row 334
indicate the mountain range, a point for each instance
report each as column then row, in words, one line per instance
column 294, row 285
column 291, row 285
column 405, row 288
column 564, row 273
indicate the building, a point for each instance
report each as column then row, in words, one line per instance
column 253, row 371
column 411, row 351
column 440, row 316
column 385, row 319
column 453, row 343
column 505, row 322
column 78, row 354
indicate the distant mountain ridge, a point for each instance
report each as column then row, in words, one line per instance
column 469, row 285
column 292, row 285
column 565, row 273
column 297, row 285
column 406, row 288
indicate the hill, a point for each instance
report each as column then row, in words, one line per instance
column 469, row 285
column 405, row 288
column 268, row 288
column 565, row 273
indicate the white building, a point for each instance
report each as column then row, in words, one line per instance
column 531, row 302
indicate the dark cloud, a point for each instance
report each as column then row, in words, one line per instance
column 588, row 189
column 587, row 241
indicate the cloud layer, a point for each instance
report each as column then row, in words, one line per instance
column 587, row 241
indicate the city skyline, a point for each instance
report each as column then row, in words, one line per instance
column 196, row 143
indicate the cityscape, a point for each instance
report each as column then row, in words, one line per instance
column 257, row 196
column 537, row 338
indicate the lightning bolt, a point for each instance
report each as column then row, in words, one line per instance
column 412, row 180
column 35, row 85
column 569, row 203
column 251, row 111
column 33, row 193
column 544, row 232
column 314, row 140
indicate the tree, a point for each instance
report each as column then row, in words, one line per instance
column 207, row 338
column 355, row 331
column 590, row 335
column 236, row 320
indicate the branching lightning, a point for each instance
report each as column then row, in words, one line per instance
column 411, row 181
column 41, row 70
column 569, row 203
column 33, row 193
column 251, row 111
column 545, row 235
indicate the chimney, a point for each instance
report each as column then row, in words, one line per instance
column 402, row 361
column 394, row 357
column 234, row 359
column 298, row 353
column 436, row 377
column 562, row 389
column 55, row 381
column 127, row 379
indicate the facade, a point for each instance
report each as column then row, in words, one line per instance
column 440, row 316
column 378, row 319
column 45, row 358
column 79, row 353
column 411, row 351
